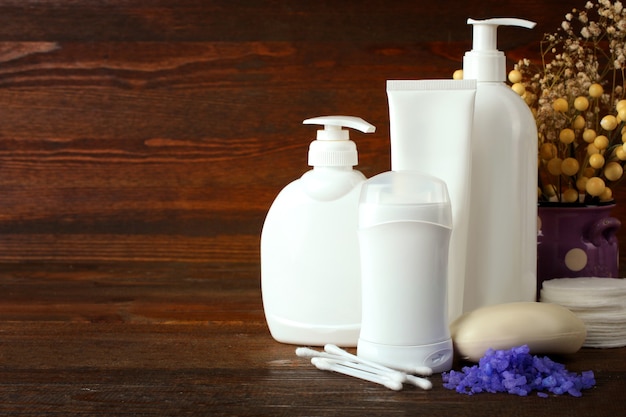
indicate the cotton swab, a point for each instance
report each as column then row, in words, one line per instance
column 393, row 375
column 344, row 358
column 305, row 352
column 327, row 365
column 336, row 350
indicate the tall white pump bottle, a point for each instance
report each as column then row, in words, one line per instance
column 310, row 262
column 502, row 258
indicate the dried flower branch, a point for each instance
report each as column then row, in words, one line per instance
column 577, row 98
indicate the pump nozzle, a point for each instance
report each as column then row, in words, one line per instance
column 333, row 146
column 333, row 126
column 484, row 62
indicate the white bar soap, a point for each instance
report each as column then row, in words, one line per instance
column 544, row 327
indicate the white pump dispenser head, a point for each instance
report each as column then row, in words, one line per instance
column 333, row 146
column 485, row 62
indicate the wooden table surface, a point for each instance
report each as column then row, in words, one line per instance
column 141, row 145
column 156, row 340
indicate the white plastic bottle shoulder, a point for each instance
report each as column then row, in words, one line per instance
column 502, row 259
column 310, row 264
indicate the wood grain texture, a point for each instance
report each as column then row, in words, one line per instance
column 141, row 145
column 162, row 129
column 187, row 339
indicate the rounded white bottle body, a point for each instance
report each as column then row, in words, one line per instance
column 310, row 270
column 502, row 256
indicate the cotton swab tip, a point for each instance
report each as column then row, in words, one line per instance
column 305, row 352
column 393, row 385
column 422, row 383
column 423, row 370
column 322, row 364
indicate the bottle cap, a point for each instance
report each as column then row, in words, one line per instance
column 400, row 196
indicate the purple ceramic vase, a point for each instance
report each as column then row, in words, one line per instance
column 577, row 242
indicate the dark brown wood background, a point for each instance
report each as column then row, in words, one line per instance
column 141, row 145
column 161, row 130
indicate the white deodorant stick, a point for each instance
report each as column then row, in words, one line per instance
column 405, row 223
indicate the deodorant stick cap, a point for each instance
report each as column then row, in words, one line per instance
column 396, row 196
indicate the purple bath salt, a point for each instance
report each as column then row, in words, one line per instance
column 517, row 372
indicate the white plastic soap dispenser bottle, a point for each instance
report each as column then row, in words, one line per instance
column 502, row 259
column 310, row 263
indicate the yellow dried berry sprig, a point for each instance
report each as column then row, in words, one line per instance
column 582, row 162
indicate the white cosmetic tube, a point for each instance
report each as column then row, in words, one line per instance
column 430, row 128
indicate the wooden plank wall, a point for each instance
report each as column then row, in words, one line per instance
column 161, row 130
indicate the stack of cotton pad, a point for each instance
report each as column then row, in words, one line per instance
column 599, row 302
